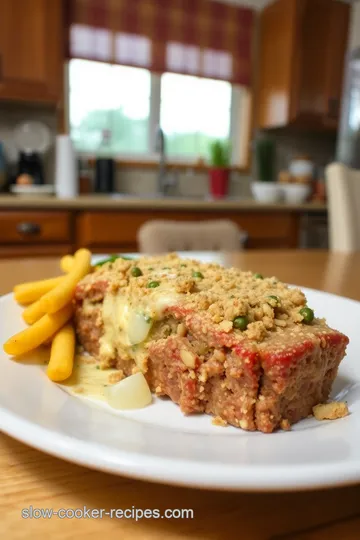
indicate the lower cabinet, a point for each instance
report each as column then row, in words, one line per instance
column 32, row 233
column 117, row 230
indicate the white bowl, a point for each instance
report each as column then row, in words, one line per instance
column 266, row 192
column 295, row 193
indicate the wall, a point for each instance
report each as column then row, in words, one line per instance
column 139, row 181
column 128, row 180
column 320, row 148
column 354, row 40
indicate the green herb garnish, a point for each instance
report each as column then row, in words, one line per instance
column 112, row 259
column 273, row 300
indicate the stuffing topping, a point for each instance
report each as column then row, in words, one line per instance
column 234, row 301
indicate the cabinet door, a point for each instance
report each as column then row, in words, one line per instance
column 31, row 47
column 278, row 63
column 323, row 30
column 302, row 51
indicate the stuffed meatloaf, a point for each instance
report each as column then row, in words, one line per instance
column 233, row 344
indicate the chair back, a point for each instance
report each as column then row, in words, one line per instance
column 343, row 190
column 160, row 236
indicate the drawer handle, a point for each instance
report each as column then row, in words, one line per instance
column 29, row 229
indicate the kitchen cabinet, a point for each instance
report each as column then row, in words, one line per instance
column 31, row 50
column 301, row 63
column 33, row 233
column 113, row 231
column 55, row 227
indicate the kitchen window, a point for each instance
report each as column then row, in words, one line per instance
column 116, row 99
column 129, row 103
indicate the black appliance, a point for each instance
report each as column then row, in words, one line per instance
column 104, row 175
column 31, row 163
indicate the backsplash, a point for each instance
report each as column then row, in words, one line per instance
column 321, row 148
column 195, row 184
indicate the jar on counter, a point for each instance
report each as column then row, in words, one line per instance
column 302, row 170
column 85, row 180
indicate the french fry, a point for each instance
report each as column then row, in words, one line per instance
column 66, row 263
column 61, row 295
column 38, row 333
column 62, row 354
column 26, row 293
column 33, row 313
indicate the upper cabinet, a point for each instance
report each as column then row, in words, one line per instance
column 31, row 50
column 302, row 53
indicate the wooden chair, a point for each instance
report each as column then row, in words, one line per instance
column 343, row 190
column 160, row 236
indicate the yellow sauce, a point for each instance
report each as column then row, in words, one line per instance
column 87, row 379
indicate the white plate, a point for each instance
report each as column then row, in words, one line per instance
column 160, row 444
column 33, row 190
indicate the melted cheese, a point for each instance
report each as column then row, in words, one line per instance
column 127, row 324
column 87, row 379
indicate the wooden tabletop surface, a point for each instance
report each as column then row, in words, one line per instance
column 30, row 478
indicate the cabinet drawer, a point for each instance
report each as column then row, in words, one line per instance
column 35, row 227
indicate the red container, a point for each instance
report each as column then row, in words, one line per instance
column 219, row 182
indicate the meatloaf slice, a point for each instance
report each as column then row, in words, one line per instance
column 268, row 375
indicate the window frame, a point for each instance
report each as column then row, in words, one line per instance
column 241, row 113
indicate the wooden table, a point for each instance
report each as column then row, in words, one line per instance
column 29, row 477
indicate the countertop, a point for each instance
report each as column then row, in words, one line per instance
column 106, row 202
column 30, row 477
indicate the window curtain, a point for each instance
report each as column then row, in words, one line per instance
column 194, row 37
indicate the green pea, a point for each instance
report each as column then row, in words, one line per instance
column 136, row 272
column 153, row 284
column 147, row 318
column 241, row 323
column 307, row 314
column 258, row 276
column 197, row 274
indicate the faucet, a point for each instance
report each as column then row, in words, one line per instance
column 165, row 180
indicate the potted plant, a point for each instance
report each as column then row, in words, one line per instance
column 219, row 168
